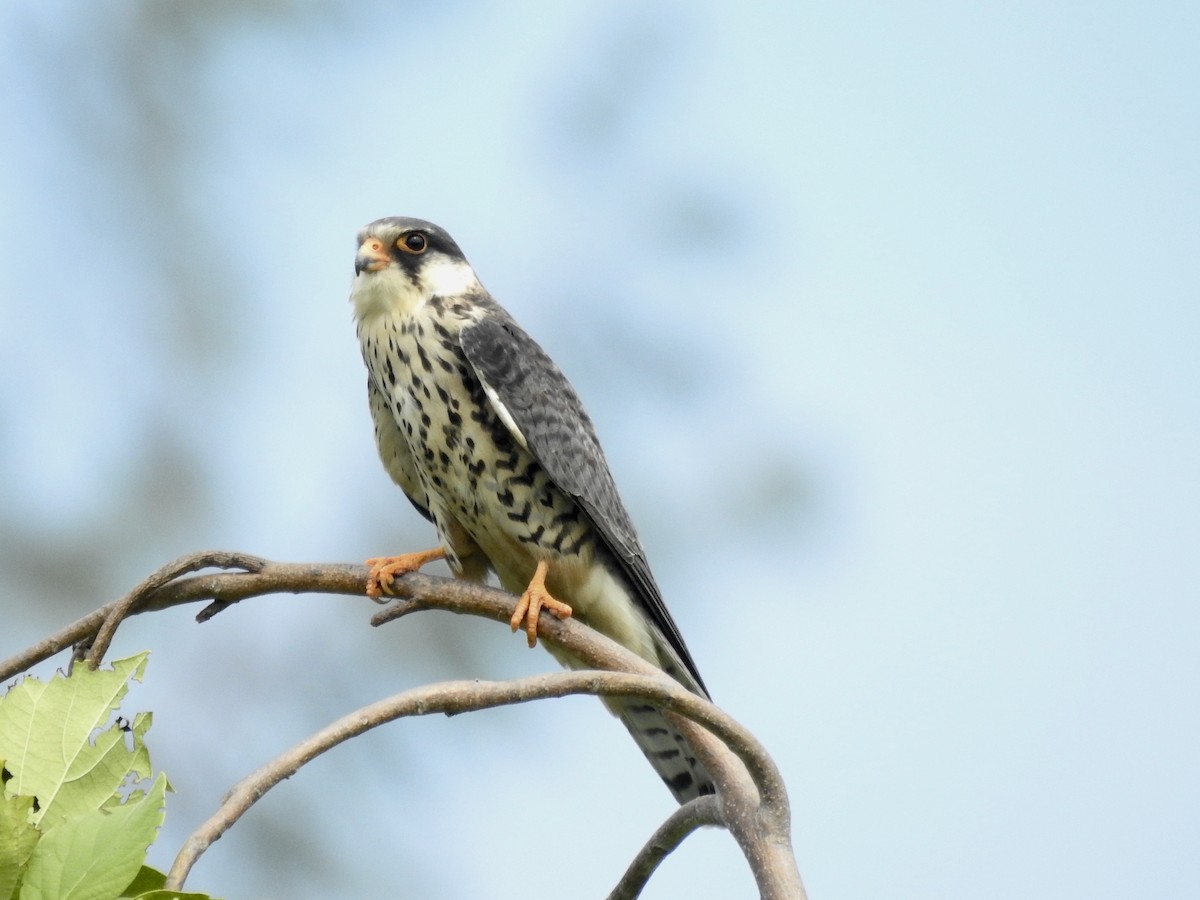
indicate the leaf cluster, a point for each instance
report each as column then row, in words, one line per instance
column 80, row 805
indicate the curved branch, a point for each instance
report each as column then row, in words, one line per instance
column 224, row 589
column 670, row 834
column 418, row 592
column 80, row 630
column 451, row 698
column 751, row 797
column 118, row 611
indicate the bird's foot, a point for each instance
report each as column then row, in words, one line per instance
column 384, row 569
column 533, row 601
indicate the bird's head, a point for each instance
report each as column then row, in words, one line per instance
column 403, row 263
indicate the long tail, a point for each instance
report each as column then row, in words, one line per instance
column 665, row 748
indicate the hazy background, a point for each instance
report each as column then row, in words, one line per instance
column 887, row 314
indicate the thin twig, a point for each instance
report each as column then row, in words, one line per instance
column 204, row 560
column 81, row 630
column 694, row 814
column 224, row 588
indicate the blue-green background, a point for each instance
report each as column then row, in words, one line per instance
column 887, row 314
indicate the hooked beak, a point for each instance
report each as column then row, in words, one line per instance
column 372, row 256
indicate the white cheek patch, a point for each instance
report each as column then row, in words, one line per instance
column 392, row 291
column 445, row 277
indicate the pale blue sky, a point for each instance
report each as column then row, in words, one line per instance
column 887, row 315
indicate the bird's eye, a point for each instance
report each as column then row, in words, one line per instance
column 413, row 242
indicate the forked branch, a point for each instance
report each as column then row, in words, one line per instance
column 751, row 801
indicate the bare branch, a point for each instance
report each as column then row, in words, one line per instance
column 172, row 570
column 670, row 834
column 82, row 630
column 449, row 698
column 751, row 801
column 593, row 649
column 222, row 588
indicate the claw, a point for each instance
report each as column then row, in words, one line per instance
column 384, row 569
column 533, row 601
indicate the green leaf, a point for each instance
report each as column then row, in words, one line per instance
column 17, row 839
column 46, row 734
column 148, row 885
column 147, row 879
column 93, row 856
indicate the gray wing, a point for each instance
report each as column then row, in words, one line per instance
column 547, row 416
column 393, row 450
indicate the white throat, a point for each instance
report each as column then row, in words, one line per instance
column 391, row 292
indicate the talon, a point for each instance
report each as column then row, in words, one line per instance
column 384, row 569
column 533, row 601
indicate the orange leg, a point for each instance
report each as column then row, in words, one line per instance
column 534, row 600
column 384, row 569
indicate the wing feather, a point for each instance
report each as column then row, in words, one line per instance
column 542, row 411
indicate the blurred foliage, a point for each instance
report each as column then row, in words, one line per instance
column 165, row 432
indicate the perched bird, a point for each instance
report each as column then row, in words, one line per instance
column 490, row 443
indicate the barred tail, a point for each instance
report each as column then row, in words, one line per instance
column 666, row 749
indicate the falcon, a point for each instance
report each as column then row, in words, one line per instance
column 489, row 441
